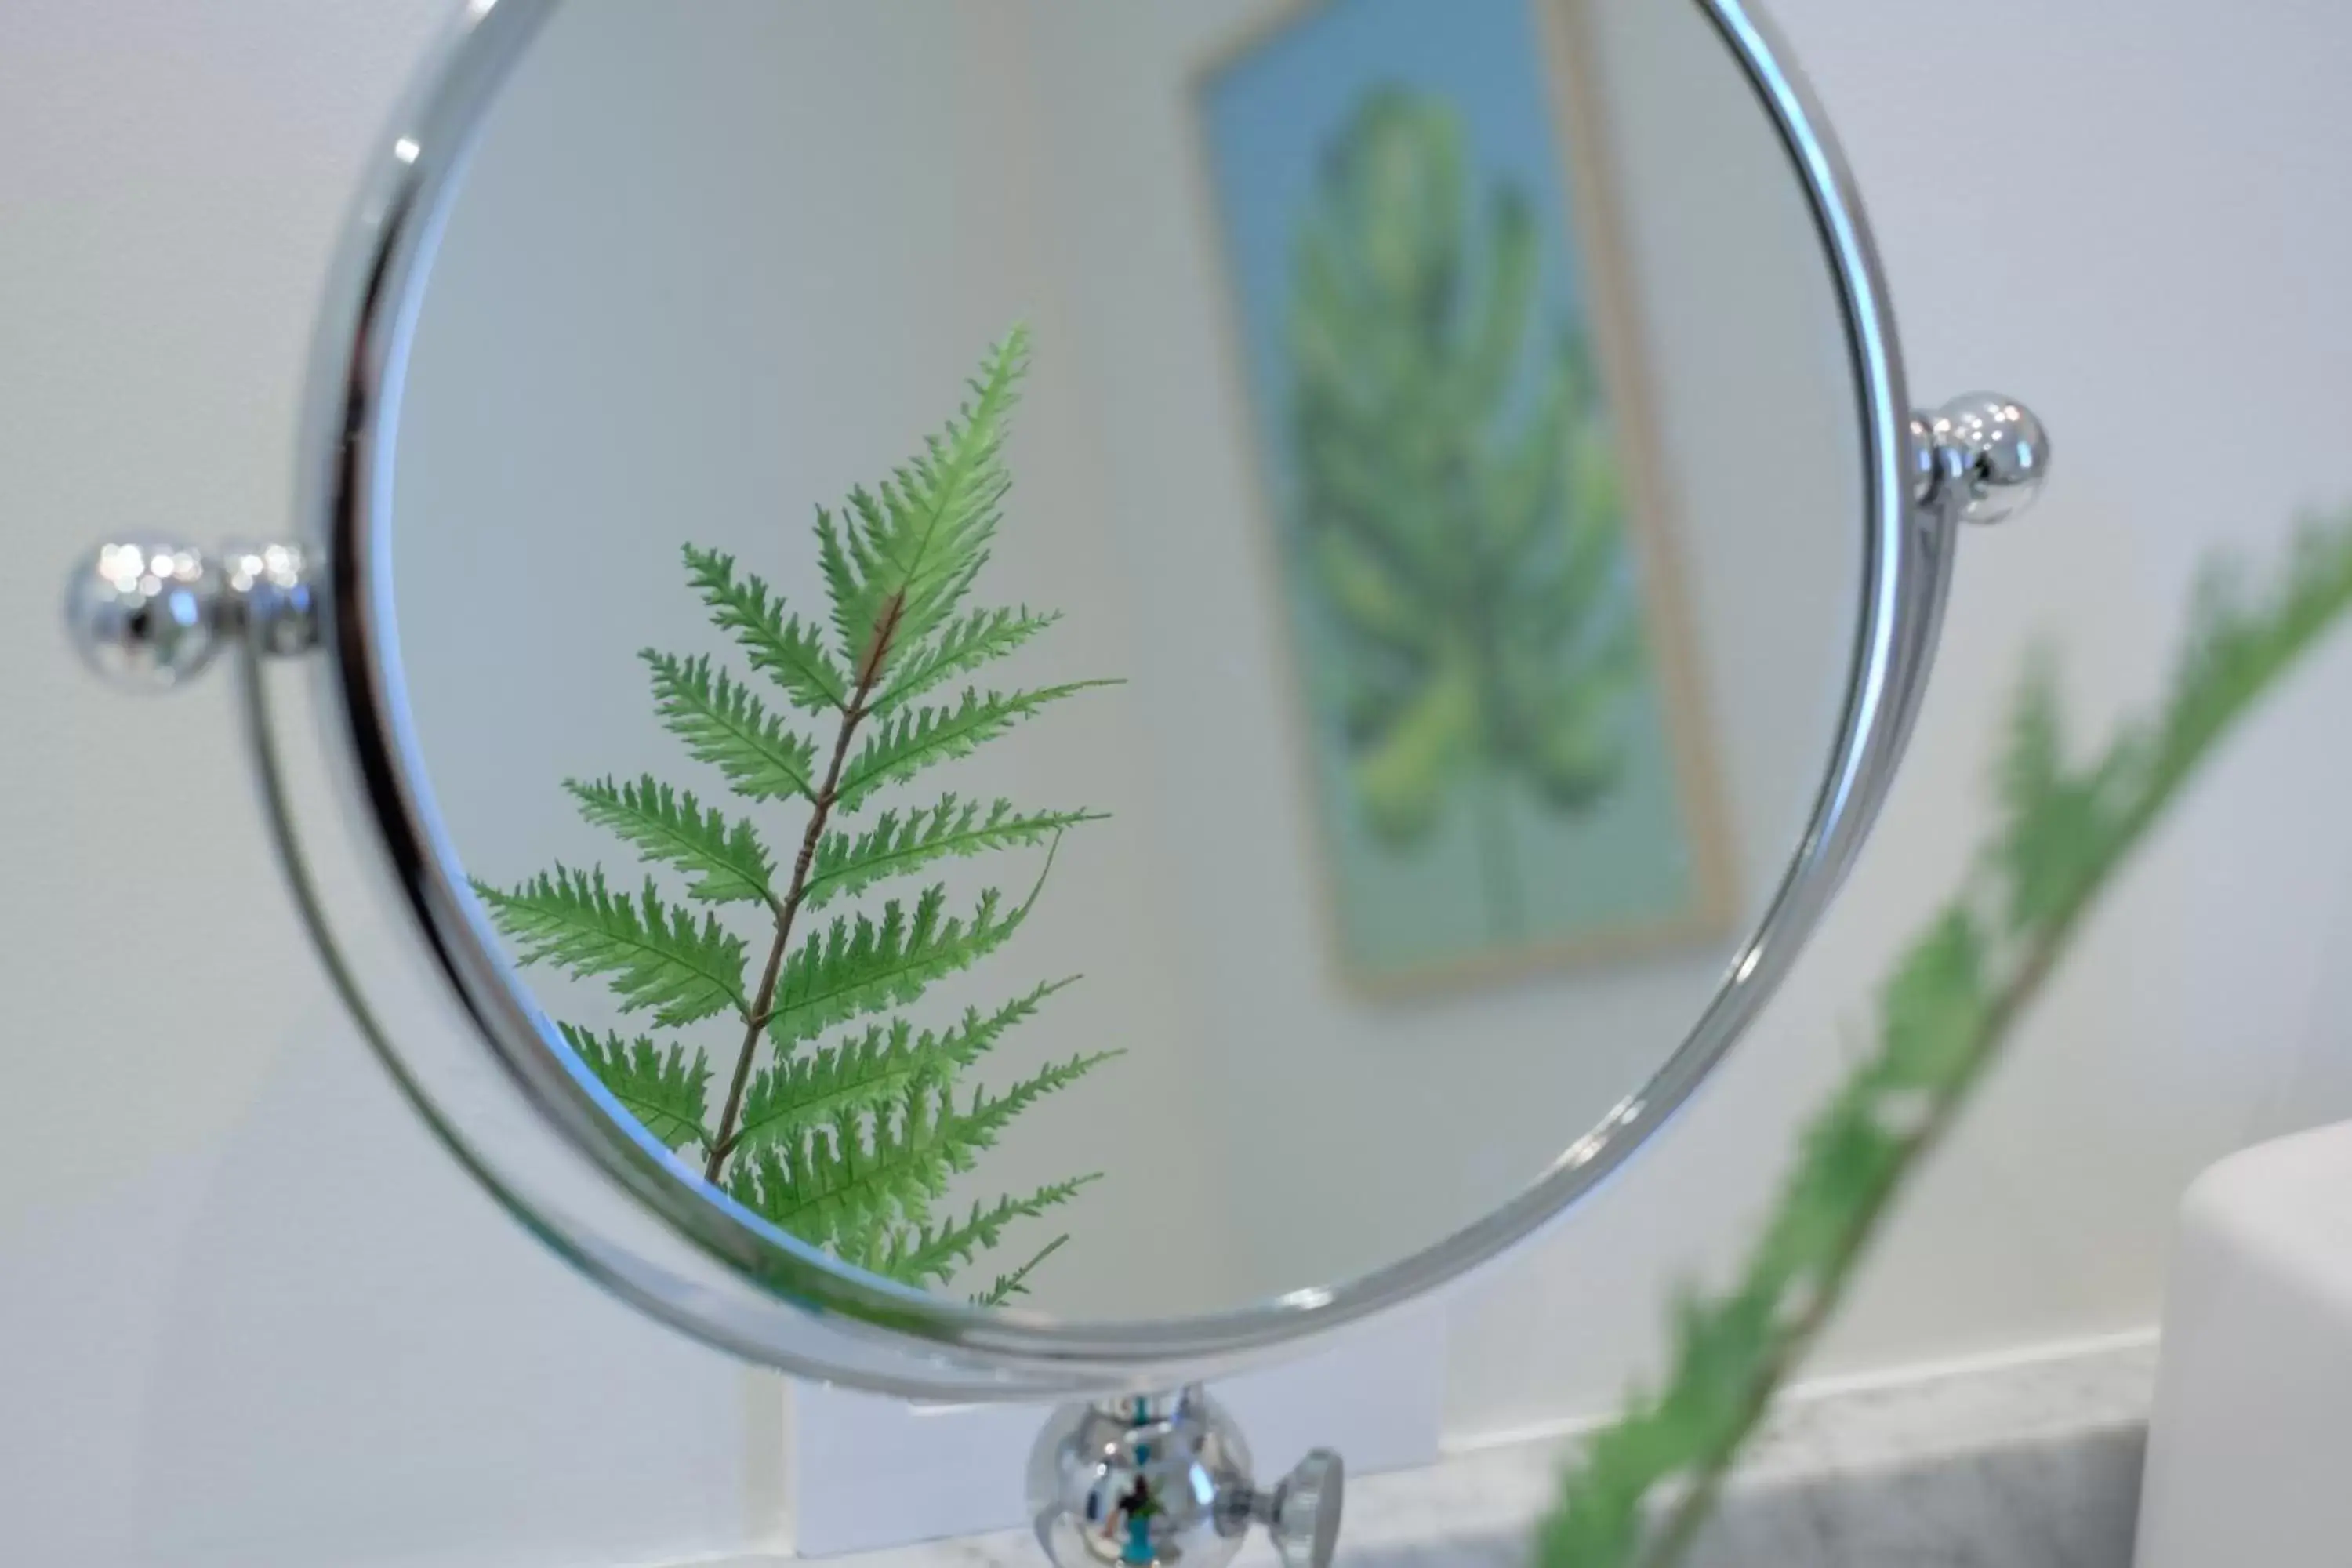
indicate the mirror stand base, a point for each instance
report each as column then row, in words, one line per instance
column 1154, row 1480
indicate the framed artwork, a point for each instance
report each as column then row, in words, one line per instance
column 1497, row 701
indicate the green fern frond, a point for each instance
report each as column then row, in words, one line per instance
column 876, row 1069
column 2065, row 829
column 724, row 725
column 1012, row 1287
column 668, row 1093
column 962, row 646
column 898, row 847
column 726, row 860
column 931, row 1253
column 903, row 555
column 781, row 646
column 840, row 1182
column 1932, row 1010
column 2058, row 819
column 990, row 1113
column 2234, row 649
column 2031, row 757
column 921, row 738
column 651, row 954
column 847, row 1144
column 859, row 965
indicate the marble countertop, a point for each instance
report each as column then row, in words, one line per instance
column 2021, row 1463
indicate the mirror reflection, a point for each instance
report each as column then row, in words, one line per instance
column 1127, row 659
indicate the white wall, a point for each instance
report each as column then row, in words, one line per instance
column 208, row 1362
column 228, row 1256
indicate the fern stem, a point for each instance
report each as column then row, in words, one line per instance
column 763, row 1002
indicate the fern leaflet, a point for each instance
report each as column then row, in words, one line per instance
column 666, row 1092
column 724, row 725
column 841, row 1181
column 727, row 860
column 923, row 737
column 898, row 846
column 1012, row 1286
column 781, row 646
column 904, row 553
column 875, row 1070
column 858, row 965
column 651, row 954
column 962, row 646
column 931, row 1253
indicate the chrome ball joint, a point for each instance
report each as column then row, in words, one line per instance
column 149, row 615
column 1154, row 1481
column 1986, row 454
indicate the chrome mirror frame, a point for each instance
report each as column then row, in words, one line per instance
column 409, row 949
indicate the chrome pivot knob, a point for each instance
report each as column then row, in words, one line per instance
column 1302, row 1512
column 1157, row 1481
column 149, row 615
column 1986, row 455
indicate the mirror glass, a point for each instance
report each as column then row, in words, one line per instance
column 1266, row 588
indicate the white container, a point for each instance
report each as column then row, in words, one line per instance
column 2250, row 1453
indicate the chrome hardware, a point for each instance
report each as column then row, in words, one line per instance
column 1156, row 1480
column 270, row 588
column 148, row 614
column 1302, row 1512
column 143, row 615
column 1984, row 452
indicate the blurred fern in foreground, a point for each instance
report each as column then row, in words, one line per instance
column 847, row 1139
column 2064, row 829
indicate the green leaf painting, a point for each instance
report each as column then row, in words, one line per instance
column 1466, row 534
column 838, row 1117
column 1505, row 757
column 1644, row 1485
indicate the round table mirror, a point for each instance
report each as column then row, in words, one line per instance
column 1030, row 697
column 1206, row 626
